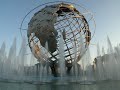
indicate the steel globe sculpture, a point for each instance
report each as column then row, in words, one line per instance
column 58, row 33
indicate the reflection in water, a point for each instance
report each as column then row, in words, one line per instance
column 104, row 85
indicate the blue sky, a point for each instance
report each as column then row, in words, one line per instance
column 106, row 13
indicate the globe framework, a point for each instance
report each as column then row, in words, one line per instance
column 58, row 29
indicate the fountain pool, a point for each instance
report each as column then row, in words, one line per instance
column 20, row 72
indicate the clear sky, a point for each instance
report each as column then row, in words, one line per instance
column 106, row 13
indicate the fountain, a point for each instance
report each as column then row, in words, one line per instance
column 107, row 65
column 15, row 67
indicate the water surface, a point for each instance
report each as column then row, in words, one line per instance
column 101, row 85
